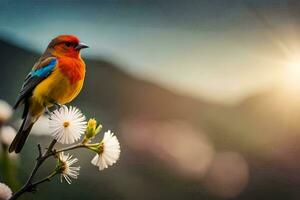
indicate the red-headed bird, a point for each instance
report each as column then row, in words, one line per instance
column 56, row 78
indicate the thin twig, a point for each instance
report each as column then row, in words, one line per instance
column 51, row 146
column 48, row 178
column 40, row 150
column 76, row 146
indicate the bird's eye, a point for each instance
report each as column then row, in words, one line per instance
column 68, row 44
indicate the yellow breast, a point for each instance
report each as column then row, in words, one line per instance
column 57, row 88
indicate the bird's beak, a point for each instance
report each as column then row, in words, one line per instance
column 81, row 46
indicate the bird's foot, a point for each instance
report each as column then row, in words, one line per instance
column 57, row 106
column 47, row 111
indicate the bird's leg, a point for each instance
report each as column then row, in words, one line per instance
column 57, row 105
column 47, row 111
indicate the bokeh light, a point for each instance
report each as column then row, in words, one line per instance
column 5, row 111
column 292, row 74
column 228, row 175
column 176, row 143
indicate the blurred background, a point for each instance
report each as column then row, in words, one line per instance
column 203, row 95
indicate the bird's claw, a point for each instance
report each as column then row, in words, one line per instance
column 47, row 111
column 57, row 106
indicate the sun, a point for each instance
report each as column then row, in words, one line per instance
column 293, row 71
column 292, row 74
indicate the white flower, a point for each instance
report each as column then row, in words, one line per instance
column 7, row 134
column 67, row 124
column 109, row 151
column 5, row 192
column 5, row 111
column 64, row 167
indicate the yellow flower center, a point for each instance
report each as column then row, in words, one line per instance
column 63, row 167
column 101, row 148
column 66, row 124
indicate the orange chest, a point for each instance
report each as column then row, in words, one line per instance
column 72, row 68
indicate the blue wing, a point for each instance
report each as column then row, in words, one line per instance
column 41, row 71
column 45, row 70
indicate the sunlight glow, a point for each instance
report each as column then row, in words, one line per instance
column 292, row 77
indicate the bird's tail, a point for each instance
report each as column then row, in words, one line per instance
column 20, row 139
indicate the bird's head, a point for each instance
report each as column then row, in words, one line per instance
column 66, row 45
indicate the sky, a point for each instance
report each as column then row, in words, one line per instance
column 217, row 50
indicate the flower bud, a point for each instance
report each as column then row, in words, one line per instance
column 92, row 129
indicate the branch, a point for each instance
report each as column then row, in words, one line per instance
column 40, row 150
column 48, row 178
column 76, row 146
column 30, row 186
column 39, row 161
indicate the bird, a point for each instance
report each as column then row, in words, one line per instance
column 55, row 79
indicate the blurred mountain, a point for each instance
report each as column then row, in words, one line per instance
column 277, row 107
